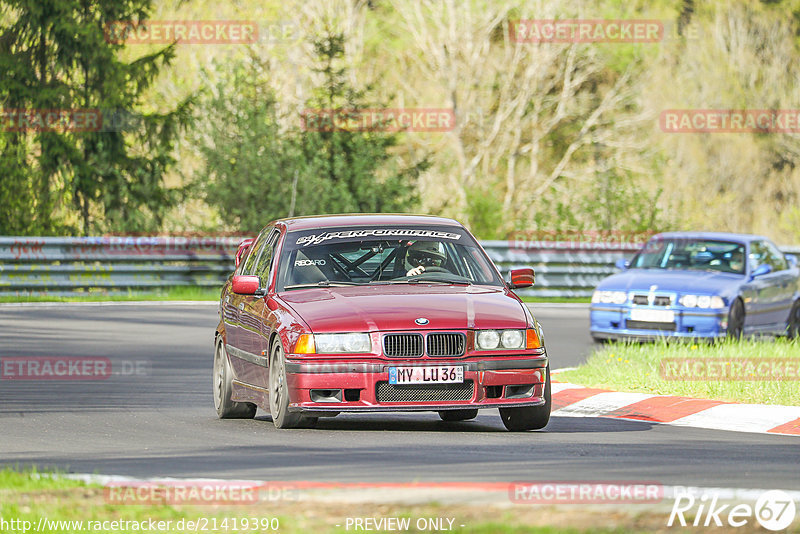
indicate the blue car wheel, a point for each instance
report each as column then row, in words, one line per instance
column 794, row 321
column 736, row 320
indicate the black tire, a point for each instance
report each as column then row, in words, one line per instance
column 736, row 320
column 279, row 393
column 793, row 330
column 529, row 417
column 458, row 415
column 221, row 384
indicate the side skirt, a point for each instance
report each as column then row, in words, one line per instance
column 242, row 392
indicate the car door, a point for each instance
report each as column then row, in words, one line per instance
column 254, row 333
column 233, row 306
column 771, row 292
column 784, row 281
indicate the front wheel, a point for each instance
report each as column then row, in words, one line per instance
column 458, row 415
column 222, row 388
column 794, row 322
column 736, row 320
column 279, row 393
column 529, row 417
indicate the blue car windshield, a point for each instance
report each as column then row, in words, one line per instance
column 691, row 254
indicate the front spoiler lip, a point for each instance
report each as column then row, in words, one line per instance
column 416, row 407
column 653, row 336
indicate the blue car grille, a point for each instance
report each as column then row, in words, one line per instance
column 647, row 325
column 643, row 299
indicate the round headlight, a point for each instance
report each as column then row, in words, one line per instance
column 327, row 343
column 690, row 301
column 619, row 297
column 512, row 339
column 356, row 343
column 488, row 339
column 703, row 301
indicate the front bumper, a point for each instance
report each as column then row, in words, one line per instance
column 325, row 385
column 614, row 322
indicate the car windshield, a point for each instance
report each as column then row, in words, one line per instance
column 382, row 255
column 691, row 254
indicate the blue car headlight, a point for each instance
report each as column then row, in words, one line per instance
column 610, row 297
column 702, row 301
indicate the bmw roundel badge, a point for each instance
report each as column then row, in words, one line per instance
column 421, row 321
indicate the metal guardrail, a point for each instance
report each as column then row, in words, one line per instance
column 111, row 265
column 115, row 265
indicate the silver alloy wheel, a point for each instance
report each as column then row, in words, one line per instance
column 279, row 399
column 277, row 381
column 219, row 374
column 221, row 387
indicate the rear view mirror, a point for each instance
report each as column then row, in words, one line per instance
column 622, row 264
column 792, row 259
column 522, row 278
column 244, row 246
column 245, row 285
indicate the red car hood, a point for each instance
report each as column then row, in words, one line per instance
column 371, row 308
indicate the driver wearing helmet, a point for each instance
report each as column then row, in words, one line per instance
column 424, row 255
column 736, row 260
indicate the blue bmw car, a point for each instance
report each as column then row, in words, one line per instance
column 699, row 285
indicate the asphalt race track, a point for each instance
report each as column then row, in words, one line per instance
column 154, row 416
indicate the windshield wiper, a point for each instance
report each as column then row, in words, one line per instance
column 417, row 280
column 323, row 283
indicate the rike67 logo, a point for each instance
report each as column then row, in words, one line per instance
column 774, row 510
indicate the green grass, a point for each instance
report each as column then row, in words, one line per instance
column 643, row 368
column 171, row 293
column 32, row 479
column 30, row 496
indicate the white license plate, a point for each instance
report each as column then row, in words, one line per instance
column 445, row 374
column 653, row 316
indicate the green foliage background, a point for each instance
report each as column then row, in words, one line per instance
column 558, row 137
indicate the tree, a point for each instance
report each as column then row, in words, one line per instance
column 251, row 162
column 529, row 116
column 55, row 55
column 262, row 164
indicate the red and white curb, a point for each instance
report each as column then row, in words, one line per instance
column 572, row 400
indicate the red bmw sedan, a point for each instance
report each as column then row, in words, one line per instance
column 376, row 313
